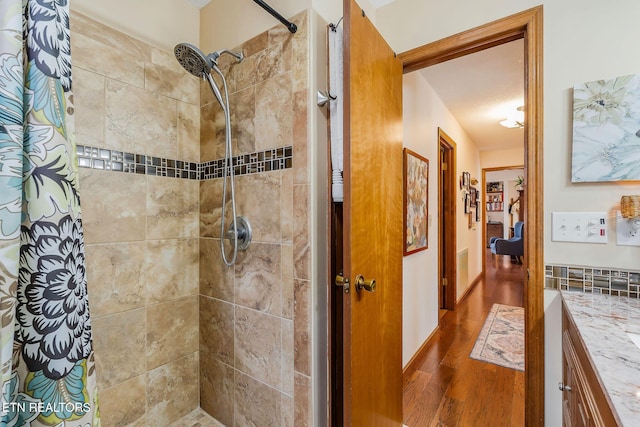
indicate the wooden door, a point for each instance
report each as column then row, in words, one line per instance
column 372, row 226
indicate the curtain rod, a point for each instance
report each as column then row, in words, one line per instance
column 290, row 25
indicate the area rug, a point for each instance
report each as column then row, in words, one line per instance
column 501, row 340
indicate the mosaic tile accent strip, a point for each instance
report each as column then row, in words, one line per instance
column 244, row 164
column 593, row 280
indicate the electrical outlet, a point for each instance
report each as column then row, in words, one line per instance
column 579, row 227
column 627, row 231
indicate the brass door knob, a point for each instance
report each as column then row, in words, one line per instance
column 367, row 285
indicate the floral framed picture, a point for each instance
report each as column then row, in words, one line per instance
column 415, row 201
column 606, row 130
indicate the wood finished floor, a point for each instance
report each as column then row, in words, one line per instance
column 449, row 388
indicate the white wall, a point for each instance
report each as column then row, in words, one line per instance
column 161, row 23
column 502, row 158
column 423, row 113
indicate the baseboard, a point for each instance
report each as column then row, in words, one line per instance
column 470, row 287
column 415, row 361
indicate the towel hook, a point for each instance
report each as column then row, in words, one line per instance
column 324, row 97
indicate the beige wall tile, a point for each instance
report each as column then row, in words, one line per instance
column 256, row 44
column 115, row 277
column 217, row 386
column 287, row 357
column 216, row 329
column 301, row 159
column 244, row 74
column 300, row 58
column 212, row 133
column 165, row 76
column 88, row 97
column 274, row 112
column 139, row 121
column 270, row 63
column 287, row 281
column 172, row 207
column 211, row 207
column 216, row 279
column 171, row 269
column 258, row 199
column 172, row 331
column 256, row 403
column 188, row 132
column 258, row 346
column 100, row 58
column 124, row 404
column 243, row 115
column 172, row 390
column 258, row 282
column 302, row 327
column 113, row 207
column 288, row 411
column 286, row 206
column 116, row 338
column 302, row 401
column 106, row 35
column 301, row 246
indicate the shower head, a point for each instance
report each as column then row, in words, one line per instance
column 194, row 60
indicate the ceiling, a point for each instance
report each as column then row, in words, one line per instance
column 480, row 90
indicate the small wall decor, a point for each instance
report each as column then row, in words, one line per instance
column 477, row 214
column 416, row 186
column 467, row 203
column 606, row 130
column 474, row 197
column 465, row 181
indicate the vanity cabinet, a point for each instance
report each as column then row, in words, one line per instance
column 584, row 402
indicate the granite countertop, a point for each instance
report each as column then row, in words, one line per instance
column 603, row 322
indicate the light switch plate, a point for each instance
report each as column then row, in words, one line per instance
column 579, row 227
column 626, row 235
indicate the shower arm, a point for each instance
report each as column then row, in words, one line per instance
column 290, row 25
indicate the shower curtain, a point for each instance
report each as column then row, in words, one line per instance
column 46, row 357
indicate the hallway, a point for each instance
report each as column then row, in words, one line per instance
column 451, row 389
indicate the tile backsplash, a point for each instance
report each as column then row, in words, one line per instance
column 244, row 164
column 605, row 281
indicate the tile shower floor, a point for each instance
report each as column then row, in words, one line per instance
column 197, row 418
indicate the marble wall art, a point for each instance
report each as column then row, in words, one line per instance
column 606, row 130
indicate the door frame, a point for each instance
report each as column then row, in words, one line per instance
column 525, row 25
column 448, row 212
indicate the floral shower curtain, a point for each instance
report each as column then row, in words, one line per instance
column 46, row 358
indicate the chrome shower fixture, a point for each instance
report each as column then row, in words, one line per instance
column 200, row 65
column 196, row 62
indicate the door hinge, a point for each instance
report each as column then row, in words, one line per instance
column 444, row 166
column 445, row 282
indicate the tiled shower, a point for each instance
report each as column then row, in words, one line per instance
column 174, row 328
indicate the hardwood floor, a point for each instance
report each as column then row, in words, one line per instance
column 451, row 389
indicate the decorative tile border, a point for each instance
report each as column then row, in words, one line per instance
column 593, row 280
column 244, row 164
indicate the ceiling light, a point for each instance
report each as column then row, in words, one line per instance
column 514, row 119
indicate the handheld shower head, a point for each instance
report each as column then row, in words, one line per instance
column 196, row 62
column 192, row 59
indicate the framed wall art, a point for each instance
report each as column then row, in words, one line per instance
column 416, row 186
column 606, row 130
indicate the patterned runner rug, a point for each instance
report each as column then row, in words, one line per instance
column 501, row 340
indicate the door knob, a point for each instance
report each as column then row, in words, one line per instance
column 342, row 282
column 564, row 387
column 367, row 285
